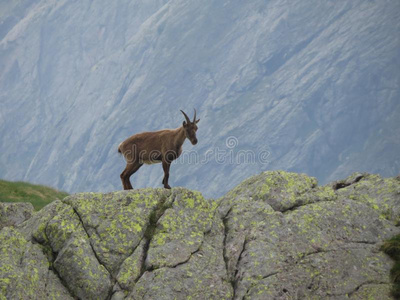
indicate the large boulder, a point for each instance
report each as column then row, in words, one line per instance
column 277, row 235
column 287, row 238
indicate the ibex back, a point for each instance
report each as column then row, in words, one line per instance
column 162, row 146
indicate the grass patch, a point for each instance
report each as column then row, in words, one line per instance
column 392, row 248
column 38, row 195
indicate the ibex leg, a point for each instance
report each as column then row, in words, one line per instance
column 127, row 173
column 166, row 166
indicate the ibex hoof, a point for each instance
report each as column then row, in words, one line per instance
column 167, row 187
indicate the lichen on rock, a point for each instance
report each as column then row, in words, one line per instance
column 382, row 194
column 24, row 270
column 269, row 245
column 277, row 235
column 12, row 214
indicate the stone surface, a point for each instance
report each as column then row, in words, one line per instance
column 12, row 214
column 24, row 270
column 288, row 238
column 277, row 235
column 376, row 192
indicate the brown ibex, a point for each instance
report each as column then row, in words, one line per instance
column 162, row 146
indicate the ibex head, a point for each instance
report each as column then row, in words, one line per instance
column 190, row 128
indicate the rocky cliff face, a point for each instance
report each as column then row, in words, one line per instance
column 315, row 83
column 277, row 235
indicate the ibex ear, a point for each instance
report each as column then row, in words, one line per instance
column 184, row 124
column 198, row 121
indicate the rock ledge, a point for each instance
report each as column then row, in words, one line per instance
column 277, row 235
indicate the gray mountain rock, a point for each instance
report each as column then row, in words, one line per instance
column 12, row 214
column 303, row 86
column 277, row 235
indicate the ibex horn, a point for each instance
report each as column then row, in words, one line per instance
column 186, row 117
column 194, row 118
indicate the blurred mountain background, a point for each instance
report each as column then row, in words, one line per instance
column 313, row 86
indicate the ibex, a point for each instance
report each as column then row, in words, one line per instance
column 162, row 146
